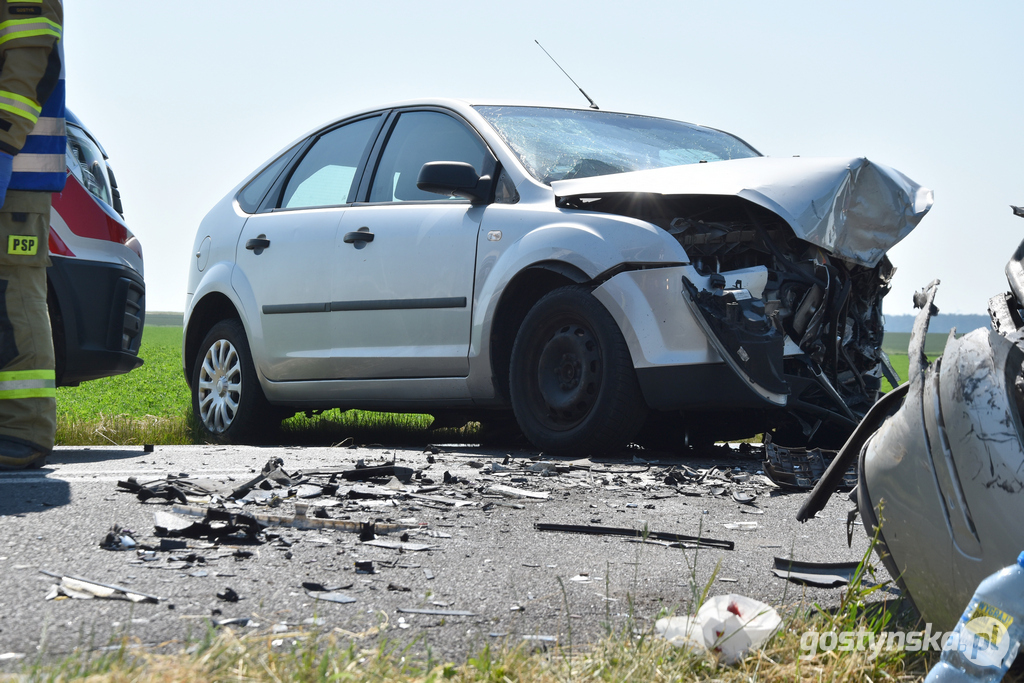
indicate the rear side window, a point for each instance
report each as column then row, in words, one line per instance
column 325, row 175
column 419, row 137
column 250, row 197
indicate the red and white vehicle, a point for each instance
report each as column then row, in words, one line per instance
column 96, row 287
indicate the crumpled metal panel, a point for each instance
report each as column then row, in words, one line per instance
column 853, row 208
column 945, row 472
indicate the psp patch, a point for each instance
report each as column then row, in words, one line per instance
column 22, row 245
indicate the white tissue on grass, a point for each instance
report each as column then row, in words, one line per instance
column 729, row 626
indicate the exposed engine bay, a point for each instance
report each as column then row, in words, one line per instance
column 811, row 329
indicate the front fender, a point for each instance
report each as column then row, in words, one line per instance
column 590, row 243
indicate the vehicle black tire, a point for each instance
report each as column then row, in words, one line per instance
column 227, row 399
column 573, row 387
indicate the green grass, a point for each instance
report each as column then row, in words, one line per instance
column 152, row 405
column 156, row 389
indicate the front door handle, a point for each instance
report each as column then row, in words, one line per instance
column 359, row 238
column 258, row 244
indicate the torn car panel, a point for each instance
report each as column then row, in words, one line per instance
column 941, row 476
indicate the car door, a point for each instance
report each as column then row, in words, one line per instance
column 402, row 303
column 285, row 254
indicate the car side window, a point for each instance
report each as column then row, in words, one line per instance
column 419, row 137
column 326, row 173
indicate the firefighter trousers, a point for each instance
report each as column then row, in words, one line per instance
column 28, row 397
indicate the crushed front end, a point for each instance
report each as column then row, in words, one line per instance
column 786, row 274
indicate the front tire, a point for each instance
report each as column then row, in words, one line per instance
column 227, row 399
column 573, row 387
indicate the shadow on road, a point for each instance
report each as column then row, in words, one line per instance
column 66, row 456
column 31, row 491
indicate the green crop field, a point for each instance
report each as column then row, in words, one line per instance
column 156, row 389
column 152, row 405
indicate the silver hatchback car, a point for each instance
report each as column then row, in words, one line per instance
column 605, row 277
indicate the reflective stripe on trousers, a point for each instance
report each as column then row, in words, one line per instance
column 28, row 384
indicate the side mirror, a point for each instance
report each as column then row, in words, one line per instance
column 454, row 178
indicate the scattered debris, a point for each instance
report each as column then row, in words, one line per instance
column 742, row 526
column 635, row 533
column 331, row 596
column 228, row 595
column 399, row 545
column 728, row 626
column 236, row 621
column 86, row 589
column 512, row 492
column 119, row 538
column 365, row 567
column 436, row 612
column 799, row 469
column 822, row 574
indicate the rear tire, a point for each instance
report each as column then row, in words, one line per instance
column 227, row 399
column 573, row 387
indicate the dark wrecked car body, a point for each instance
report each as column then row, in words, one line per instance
column 609, row 277
column 941, row 460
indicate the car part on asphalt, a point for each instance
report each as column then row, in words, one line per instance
column 800, row 468
column 436, row 612
column 577, row 268
column 822, row 574
column 86, row 589
column 119, row 538
column 691, row 541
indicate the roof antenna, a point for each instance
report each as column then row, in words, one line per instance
column 593, row 105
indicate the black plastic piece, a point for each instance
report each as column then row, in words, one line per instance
column 102, row 310
column 257, row 244
column 836, row 472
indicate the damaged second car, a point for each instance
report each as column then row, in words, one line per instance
column 605, row 277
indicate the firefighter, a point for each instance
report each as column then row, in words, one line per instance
column 32, row 166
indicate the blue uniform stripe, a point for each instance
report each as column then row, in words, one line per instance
column 45, row 144
column 55, row 105
column 41, row 182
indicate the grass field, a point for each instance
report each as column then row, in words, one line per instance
column 151, row 405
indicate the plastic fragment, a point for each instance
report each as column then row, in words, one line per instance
column 512, row 492
column 822, row 574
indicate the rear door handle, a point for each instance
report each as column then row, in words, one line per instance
column 359, row 237
column 257, row 244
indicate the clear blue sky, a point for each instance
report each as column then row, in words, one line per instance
column 188, row 97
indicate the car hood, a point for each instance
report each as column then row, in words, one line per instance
column 853, row 208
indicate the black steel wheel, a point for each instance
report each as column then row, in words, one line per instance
column 227, row 399
column 573, row 386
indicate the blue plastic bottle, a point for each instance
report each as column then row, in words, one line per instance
column 987, row 637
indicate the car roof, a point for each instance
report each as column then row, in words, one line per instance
column 466, row 107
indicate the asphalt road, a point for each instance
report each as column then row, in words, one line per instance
column 486, row 556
